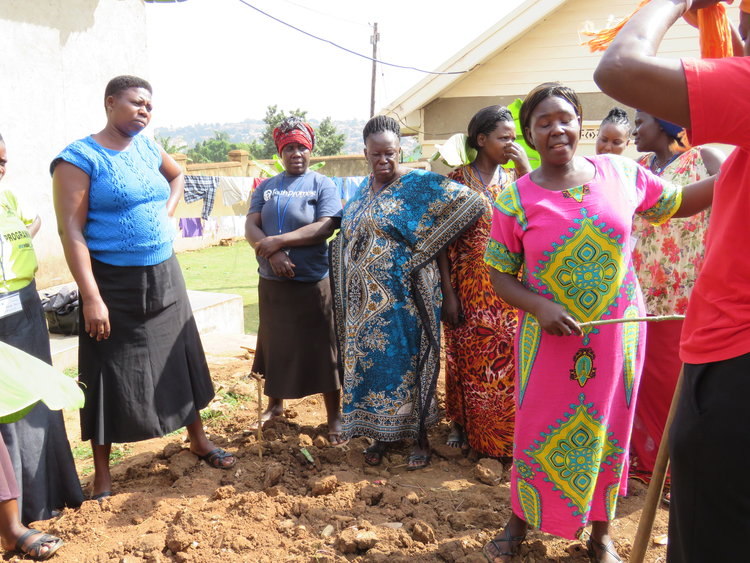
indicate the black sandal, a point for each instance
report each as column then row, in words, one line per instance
column 34, row 549
column 215, row 457
column 603, row 548
column 374, row 453
column 417, row 461
column 513, row 541
column 457, row 439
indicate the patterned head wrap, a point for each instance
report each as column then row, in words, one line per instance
column 293, row 130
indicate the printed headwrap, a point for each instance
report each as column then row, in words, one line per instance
column 294, row 130
column 669, row 128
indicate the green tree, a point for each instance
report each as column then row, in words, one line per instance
column 169, row 146
column 211, row 150
column 328, row 141
column 217, row 148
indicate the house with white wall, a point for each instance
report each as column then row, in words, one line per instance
column 539, row 41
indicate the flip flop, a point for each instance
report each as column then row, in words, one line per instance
column 457, row 439
column 101, row 496
column 374, row 454
column 418, row 461
column 215, row 457
column 33, row 550
column 335, row 439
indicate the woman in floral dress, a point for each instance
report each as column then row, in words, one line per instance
column 567, row 226
column 480, row 326
column 667, row 259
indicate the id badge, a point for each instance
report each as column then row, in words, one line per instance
column 9, row 305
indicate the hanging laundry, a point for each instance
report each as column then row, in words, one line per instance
column 348, row 185
column 201, row 187
column 235, row 189
column 191, row 227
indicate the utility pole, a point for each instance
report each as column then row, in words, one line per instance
column 374, row 40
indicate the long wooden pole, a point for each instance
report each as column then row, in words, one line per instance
column 655, row 488
column 259, row 381
column 659, row 475
column 633, row 320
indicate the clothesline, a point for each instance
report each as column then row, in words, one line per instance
column 234, row 194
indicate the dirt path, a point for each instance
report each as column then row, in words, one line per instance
column 169, row 506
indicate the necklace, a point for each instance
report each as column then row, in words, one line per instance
column 486, row 190
column 659, row 169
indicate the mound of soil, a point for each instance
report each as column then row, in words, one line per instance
column 276, row 505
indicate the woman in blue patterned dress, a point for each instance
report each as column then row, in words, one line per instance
column 387, row 294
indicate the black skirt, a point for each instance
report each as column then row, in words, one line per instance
column 150, row 377
column 296, row 342
column 37, row 444
column 709, row 450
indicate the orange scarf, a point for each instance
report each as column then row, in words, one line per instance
column 712, row 24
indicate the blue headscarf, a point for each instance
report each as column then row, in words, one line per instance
column 669, row 128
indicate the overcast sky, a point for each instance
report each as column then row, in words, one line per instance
column 221, row 61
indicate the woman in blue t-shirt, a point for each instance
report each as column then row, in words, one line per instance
column 140, row 356
column 290, row 219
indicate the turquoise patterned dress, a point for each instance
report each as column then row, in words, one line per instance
column 575, row 396
column 387, row 300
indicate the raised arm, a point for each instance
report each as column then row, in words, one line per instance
column 631, row 73
column 70, row 186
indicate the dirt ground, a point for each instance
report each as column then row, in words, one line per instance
column 168, row 506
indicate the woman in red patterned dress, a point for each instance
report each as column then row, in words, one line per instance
column 479, row 326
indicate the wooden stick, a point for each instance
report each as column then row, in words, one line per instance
column 633, row 320
column 259, row 381
column 655, row 488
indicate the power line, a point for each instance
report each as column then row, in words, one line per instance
column 344, row 48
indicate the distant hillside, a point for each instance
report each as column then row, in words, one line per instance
column 251, row 129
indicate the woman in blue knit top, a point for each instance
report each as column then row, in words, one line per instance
column 140, row 356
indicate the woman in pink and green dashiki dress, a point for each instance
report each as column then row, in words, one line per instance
column 566, row 227
column 575, row 395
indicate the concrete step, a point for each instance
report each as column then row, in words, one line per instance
column 220, row 321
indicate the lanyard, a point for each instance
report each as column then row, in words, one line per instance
column 281, row 215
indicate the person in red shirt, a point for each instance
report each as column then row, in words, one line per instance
column 709, row 443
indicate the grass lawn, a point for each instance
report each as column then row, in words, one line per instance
column 225, row 269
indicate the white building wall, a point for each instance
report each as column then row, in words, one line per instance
column 57, row 57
